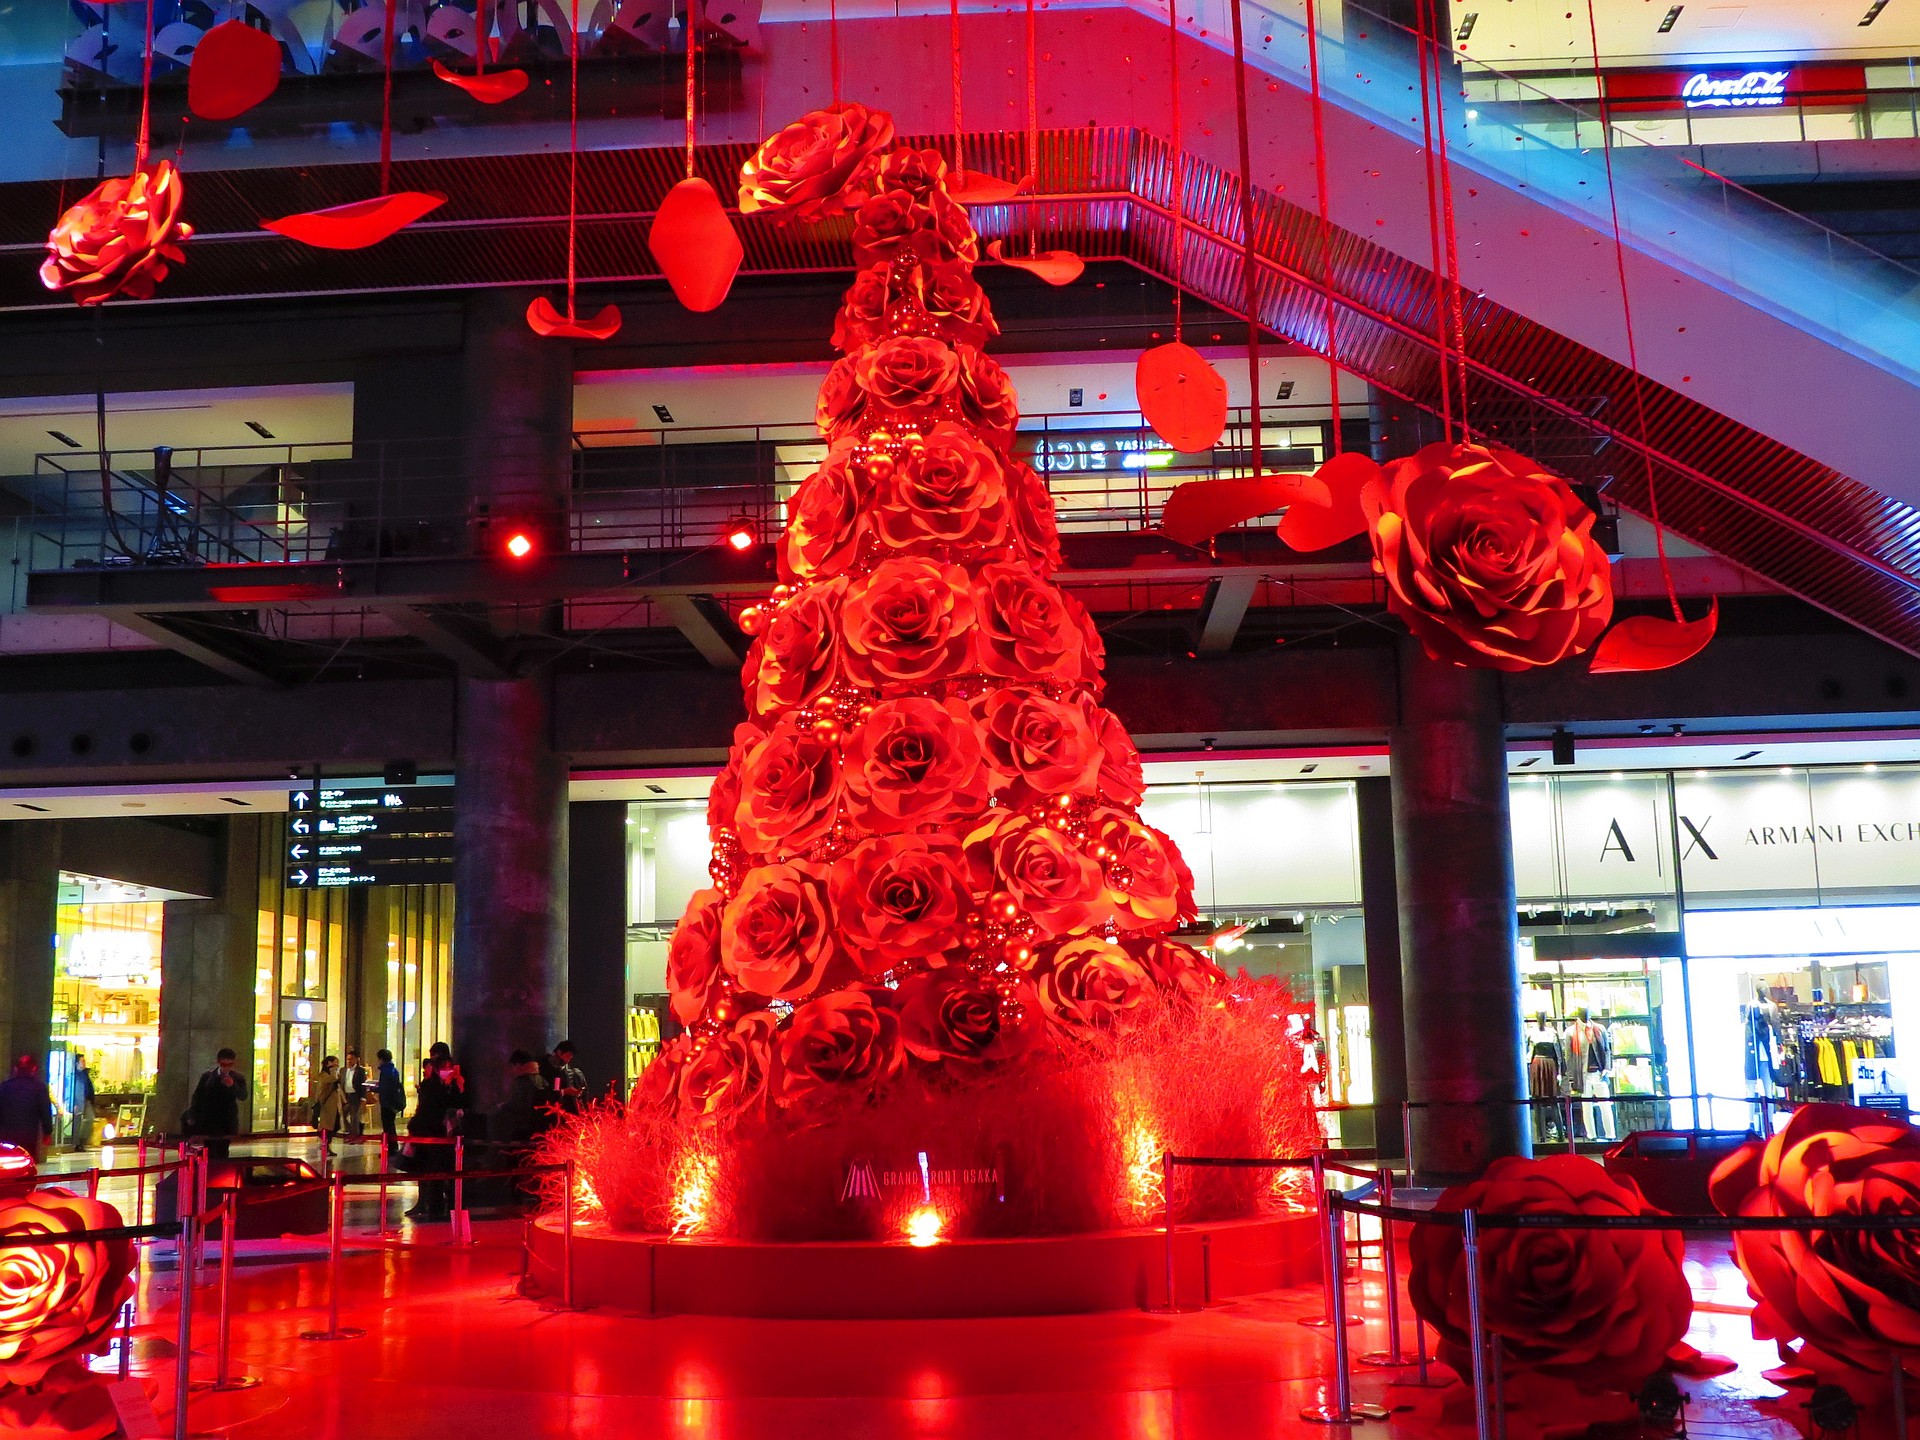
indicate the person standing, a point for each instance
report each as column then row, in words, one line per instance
column 327, row 1100
column 214, row 1111
column 569, row 1081
column 26, row 1108
column 81, row 1108
column 353, row 1093
column 439, row 1110
column 393, row 1098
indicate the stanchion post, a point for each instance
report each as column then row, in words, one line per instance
column 1470, row 1241
column 385, row 1166
column 1343, row 1411
column 1566, row 1115
column 224, row 1378
column 1406, row 1138
column 566, row 1242
column 93, row 1183
column 1166, row 1215
column 183, row 1341
column 140, row 1183
column 1393, row 1354
column 337, row 1223
column 461, row 1225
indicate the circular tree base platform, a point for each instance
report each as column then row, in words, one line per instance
column 1050, row 1275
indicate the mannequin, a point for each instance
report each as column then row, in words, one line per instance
column 1593, row 1072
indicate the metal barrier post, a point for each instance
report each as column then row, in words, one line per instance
column 93, row 1183
column 566, row 1242
column 183, row 1341
column 1470, row 1240
column 1566, row 1116
column 461, row 1223
column 1332, row 1282
column 337, row 1224
column 1166, row 1209
column 385, row 1165
column 140, row 1183
column 1406, row 1137
column 1343, row 1411
column 224, row 1378
column 1393, row 1354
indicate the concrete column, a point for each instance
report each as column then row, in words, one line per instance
column 510, row 881
column 597, row 940
column 208, row 959
column 1380, row 914
column 519, row 414
column 1453, row 854
column 29, row 900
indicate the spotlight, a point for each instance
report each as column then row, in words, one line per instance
column 518, row 544
column 924, row 1227
column 741, row 535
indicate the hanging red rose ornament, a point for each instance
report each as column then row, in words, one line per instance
column 1181, row 396
column 1489, row 560
column 694, row 243
column 359, row 223
column 120, row 239
column 234, row 68
column 492, row 88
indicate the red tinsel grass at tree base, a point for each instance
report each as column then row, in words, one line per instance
column 1058, row 1142
column 1597, row 1308
column 1853, row 1298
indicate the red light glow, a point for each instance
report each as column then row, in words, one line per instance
column 924, row 1227
column 519, row 545
column 740, row 537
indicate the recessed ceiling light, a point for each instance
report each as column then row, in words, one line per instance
column 1873, row 12
column 1285, row 392
column 37, row 809
column 65, row 439
column 262, row 431
column 1748, row 756
column 231, row 801
column 1530, row 760
column 1673, row 17
column 1467, row 22
column 657, row 789
column 663, row 414
column 133, row 804
column 1309, row 769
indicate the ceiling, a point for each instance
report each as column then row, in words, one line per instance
column 1550, row 34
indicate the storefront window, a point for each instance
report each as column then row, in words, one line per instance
column 106, row 1002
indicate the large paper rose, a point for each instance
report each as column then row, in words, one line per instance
column 912, row 762
column 71, row 1403
column 1489, row 560
column 814, row 167
column 1148, row 882
column 886, row 222
column 1090, row 984
column 724, row 798
column 726, row 1074
column 119, row 239
column 1179, row 970
column 948, row 490
column 776, row 935
column 1121, row 779
column 1033, row 517
column 908, row 622
column 954, row 1016
column 1600, row 1308
column 952, row 299
column 842, row 1045
column 900, row 898
column 828, row 518
column 694, row 976
column 842, row 402
column 1043, row 874
column 796, row 657
column 862, row 317
column 658, row 1088
column 58, row 1302
column 986, row 392
column 908, row 372
column 1851, row 1296
column 918, row 172
column 1037, row 746
column 789, row 791
column 1029, row 629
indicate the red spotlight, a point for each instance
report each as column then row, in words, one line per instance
column 519, row 545
column 741, row 536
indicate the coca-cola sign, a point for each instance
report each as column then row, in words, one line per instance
column 1755, row 87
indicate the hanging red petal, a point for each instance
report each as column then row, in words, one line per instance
column 1181, row 396
column 1309, row 526
column 977, row 187
column 1684, row 1359
column 1646, row 642
column 490, row 88
column 358, row 224
column 1200, row 509
column 545, row 320
column 695, row 245
column 234, row 68
column 1056, row 267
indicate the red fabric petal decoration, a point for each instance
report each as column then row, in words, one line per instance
column 1683, row 1359
column 1181, row 396
column 1056, row 267
column 490, row 88
column 696, row 246
column 234, row 68
column 545, row 320
column 358, row 224
column 1200, row 509
column 1307, row 526
column 1646, row 642
column 1789, row 1376
column 976, row 187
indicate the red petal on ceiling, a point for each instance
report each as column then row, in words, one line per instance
column 490, row 88
column 1200, row 509
column 545, row 320
column 695, row 244
column 360, row 223
column 977, row 187
column 1307, row 526
column 234, row 68
column 1646, row 642
column 1181, row 396
column 1056, row 267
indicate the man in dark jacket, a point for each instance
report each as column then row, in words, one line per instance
column 215, row 1109
column 439, row 1110
column 26, row 1107
column 393, row 1098
column 525, row 1113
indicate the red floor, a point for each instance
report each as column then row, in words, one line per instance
column 452, row 1351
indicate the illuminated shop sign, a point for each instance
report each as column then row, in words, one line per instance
column 112, row 957
column 1755, row 87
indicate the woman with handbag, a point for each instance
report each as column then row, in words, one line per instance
column 329, row 1102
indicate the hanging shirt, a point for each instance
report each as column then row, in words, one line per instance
column 1827, row 1059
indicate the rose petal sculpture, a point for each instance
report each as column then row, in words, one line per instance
column 120, row 239
column 1598, row 1308
column 1852, row 1297
column 1489, row 560
column 817, row 166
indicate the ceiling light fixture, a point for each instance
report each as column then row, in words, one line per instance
column 1873, row 12
column 1472, row 18
column 262, row 431
column 65, row 439
column 1285, row 392
column 663, row 414
column 1748, row 756
column 1673, row 16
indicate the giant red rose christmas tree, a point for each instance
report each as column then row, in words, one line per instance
column 926, row 851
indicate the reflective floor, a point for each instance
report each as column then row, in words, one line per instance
column 450, row 1349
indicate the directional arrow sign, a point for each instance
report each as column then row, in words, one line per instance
column 297, row 852
column 301, row 827
column 302, row 799
column 299, row 877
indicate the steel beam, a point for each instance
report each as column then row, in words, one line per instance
column 708, row 627
column 221, row 661
column 468, row 644
column 1224, row 608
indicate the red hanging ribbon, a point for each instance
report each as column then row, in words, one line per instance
column 1326, row 224
column 1250, row 283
